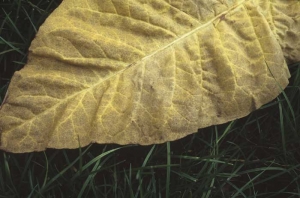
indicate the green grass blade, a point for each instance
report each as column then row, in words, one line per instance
column 168, row 170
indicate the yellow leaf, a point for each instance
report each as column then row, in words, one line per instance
column 146, row 72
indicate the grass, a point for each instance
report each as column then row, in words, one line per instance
column 256, row 156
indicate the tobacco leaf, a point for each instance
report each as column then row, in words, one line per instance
column 147, row 72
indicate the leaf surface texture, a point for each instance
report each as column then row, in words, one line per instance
column 146, row 72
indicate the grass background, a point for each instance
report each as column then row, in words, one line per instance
column 256, row 156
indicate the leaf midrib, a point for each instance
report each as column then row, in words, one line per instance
column 240, row 4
